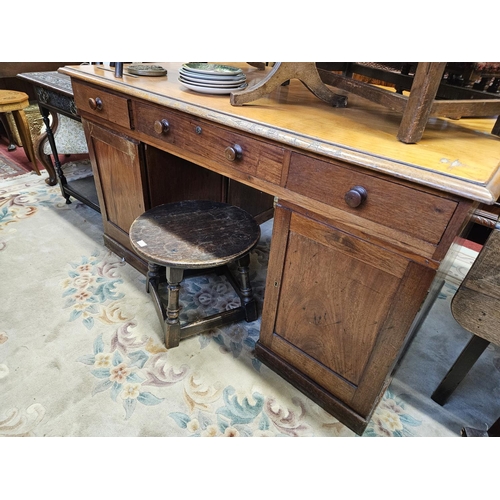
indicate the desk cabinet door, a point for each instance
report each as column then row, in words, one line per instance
column 117, row 166
column 337, row 310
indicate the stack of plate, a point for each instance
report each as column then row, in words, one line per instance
column 212, row 78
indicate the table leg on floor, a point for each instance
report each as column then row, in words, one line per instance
column 459, row 370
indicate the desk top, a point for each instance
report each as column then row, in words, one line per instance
column 456, row 156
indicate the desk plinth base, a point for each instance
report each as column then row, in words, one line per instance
column 312, row 390
column 126, row 254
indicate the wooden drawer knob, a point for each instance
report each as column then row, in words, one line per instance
column 355, row 196
column 95, row 104
column 161, row 126
column 233, row 152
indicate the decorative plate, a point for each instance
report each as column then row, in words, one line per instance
column 213, row 69
column 146, row 70
column 211, row 90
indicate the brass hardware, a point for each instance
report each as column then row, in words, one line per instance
column 95, row 104
column 161, row 126
column 233, row 152
column 355, row 196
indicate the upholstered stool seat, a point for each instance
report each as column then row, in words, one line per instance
column 195, row 235
column 15, row 102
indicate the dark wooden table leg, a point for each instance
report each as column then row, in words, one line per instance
column 50, row 135
column 460, row 368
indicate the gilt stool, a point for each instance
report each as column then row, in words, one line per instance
column 15, row 102
column 198, row 237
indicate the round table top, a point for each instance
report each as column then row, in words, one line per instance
column 194, row 234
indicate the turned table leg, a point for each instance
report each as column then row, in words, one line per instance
column 50, row 135
column 172, row 324
column 247, row 298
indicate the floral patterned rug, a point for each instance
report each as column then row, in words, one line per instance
column 81, row 351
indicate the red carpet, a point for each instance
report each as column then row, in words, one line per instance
column 469, row 244
column 16, row 159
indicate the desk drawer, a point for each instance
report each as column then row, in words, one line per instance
column 211, row 142
column 100, row 103
column 387, row 203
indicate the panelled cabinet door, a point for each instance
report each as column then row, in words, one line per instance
column 117, row 166
column 337, row 308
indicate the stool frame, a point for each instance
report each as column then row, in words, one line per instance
column 168, row 315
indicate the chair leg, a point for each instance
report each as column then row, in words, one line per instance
column 418, row 107
column 460, row 368
column 42, row 140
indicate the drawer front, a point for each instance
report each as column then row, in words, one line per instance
column 203, row 139
column 100, row 103
column 381, row 201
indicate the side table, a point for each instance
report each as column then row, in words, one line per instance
column 55, row 96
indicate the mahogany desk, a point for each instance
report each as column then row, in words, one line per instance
column 363, row 227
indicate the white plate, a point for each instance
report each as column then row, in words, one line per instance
column 212, row 84
column 210, row 90
column 212, row 69
column 202, row 78
column 212, row 78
